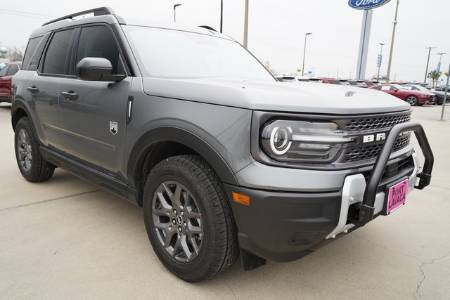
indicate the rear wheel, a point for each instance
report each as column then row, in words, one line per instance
column 188, row 220
column 412, row 100
column 29, row 159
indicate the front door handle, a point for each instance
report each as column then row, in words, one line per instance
column 33, row 89
column 70, row 95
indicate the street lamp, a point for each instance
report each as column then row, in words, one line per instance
column 440, row 61
column 221, row 16
column 388, row 75
column 428, row 64
column 246, row 23
column 304, row 52
column 380, row 60
column 175, row 11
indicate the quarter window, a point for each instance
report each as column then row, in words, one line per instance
column 57, row 53
column 31, row 49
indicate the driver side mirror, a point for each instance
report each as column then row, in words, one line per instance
column 97, row 69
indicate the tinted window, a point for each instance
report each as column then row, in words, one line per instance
column 13, row 69
column 178, row 54
column 98, row 41
column 36, row 57
column 58, row 53
column 31, row 49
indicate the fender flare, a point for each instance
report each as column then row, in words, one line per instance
column 187, row 138
column 16, row 105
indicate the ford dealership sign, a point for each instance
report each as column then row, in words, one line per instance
column 367, row 4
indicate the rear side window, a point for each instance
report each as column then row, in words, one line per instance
column 98, row 41
column 57, row 53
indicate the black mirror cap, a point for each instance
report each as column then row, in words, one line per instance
column 97, row 69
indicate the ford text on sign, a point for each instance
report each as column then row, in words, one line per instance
column 367, row 4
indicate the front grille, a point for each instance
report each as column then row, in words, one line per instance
column 381, row 123
column 363, row 152
column 375, row 123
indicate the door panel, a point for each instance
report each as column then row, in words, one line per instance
column 86, row 118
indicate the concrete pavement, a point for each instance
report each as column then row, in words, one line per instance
column 68, row 239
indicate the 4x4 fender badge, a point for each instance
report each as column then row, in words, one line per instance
column 113, row 127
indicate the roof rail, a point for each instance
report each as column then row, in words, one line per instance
column 99, row 11
column 207, row 27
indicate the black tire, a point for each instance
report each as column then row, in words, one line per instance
column 412, row 100
column 38, row 170
column 219, row 248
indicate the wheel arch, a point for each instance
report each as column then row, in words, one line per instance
column 18, row 111
column 163, row 142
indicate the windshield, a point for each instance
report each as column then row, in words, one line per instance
column 420, row 88
column 178, row 54
column 398, row 87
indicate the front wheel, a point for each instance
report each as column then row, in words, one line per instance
column 412, row 100
column 188, row 220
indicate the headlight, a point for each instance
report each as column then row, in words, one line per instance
column 302, row 141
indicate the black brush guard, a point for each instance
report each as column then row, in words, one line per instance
column 366, row 208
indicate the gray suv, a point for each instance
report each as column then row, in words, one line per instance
column 224, row 159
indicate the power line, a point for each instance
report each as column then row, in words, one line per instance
column 24, row 13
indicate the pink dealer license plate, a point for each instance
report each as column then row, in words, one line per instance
column 397, row 195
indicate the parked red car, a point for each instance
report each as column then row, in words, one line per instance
column 6, row 75
column 410, row 96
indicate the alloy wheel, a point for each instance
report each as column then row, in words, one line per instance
column 411, row 100
column 24, row 150
column 177, row 221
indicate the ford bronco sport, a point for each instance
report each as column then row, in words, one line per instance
column 224, row 159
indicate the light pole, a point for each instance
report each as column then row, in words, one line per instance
column 175, row 11
column 428, row 64
column 221, row 16
column 246, row 24
column 304, row 52
column 388, row 75
column 440, row 61
column 380, row 60
column 445, row 94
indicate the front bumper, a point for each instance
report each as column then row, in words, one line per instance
column 284, row 226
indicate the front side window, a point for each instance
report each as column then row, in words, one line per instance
column 169, row 53
column 57, row 54
column 98, row 41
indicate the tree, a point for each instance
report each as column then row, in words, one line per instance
column 15, row 55
column 434, row 75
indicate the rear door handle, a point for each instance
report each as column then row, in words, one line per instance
column 33, row 89
column 70, row 95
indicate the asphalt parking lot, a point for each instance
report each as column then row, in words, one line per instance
column 68, row 239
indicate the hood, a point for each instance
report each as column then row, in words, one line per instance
column 277, row 96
